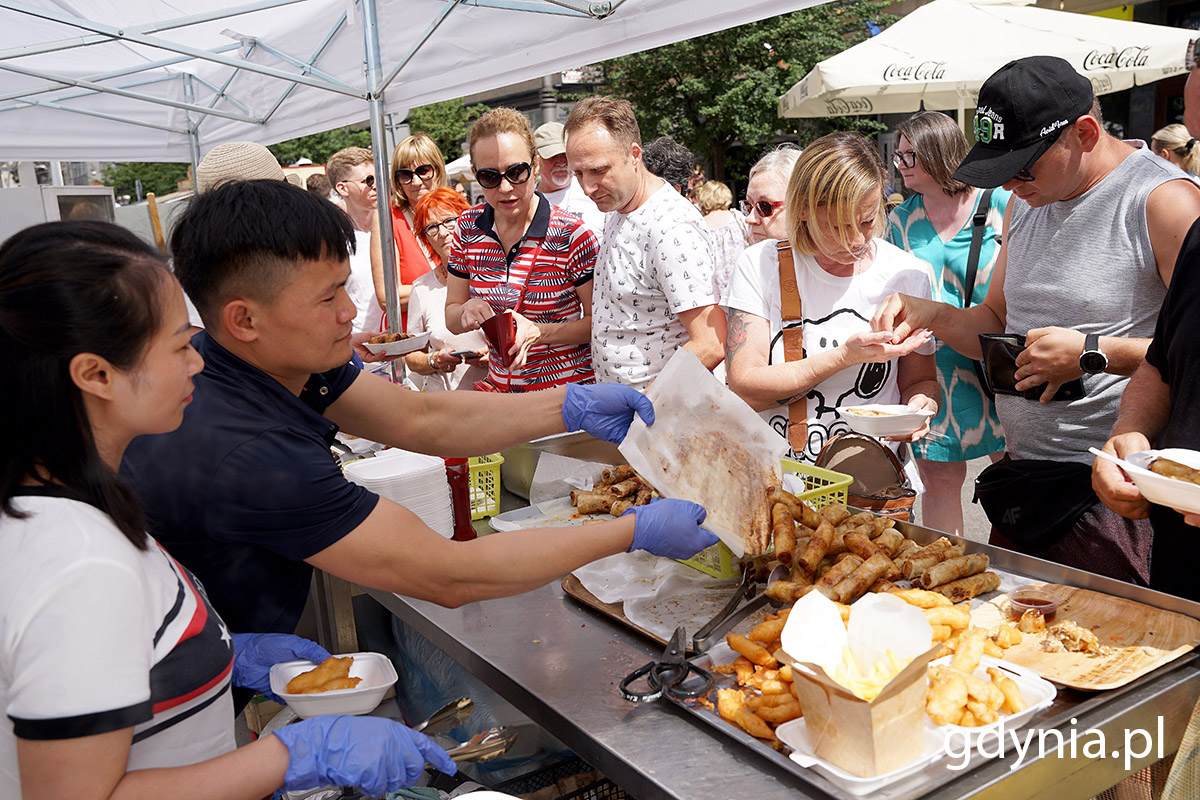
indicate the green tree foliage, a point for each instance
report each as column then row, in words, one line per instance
column 446, row 123
column 723, row 88
column 156, row 177
column 318, row 147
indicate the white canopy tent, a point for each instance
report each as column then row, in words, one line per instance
column 135, row 81
column 941, row 54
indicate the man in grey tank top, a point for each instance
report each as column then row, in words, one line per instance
column 1090, row 241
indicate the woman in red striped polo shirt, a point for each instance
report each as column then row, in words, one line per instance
column 519, row 253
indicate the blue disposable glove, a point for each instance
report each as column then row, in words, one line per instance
column 670, row 528
column 372, row 754
column 255, row 653
column 605, row 410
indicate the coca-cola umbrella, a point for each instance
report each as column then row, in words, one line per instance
column 942, row 52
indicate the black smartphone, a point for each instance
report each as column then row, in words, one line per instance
column 466, row 354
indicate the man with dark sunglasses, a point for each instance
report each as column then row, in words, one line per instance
column 654, row 290
column 351, row 172
column 1090, row 241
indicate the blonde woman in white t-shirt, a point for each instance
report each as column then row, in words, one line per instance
column 835, row 215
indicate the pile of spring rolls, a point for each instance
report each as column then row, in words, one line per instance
column 620, row 490
column 844, row 556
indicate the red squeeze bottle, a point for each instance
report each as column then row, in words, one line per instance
column 458, row 473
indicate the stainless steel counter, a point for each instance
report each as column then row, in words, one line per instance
column 559, row 663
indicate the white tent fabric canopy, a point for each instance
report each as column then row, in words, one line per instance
column 75, row 75
column 941, row 54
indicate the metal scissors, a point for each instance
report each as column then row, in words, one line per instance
column 668, row 675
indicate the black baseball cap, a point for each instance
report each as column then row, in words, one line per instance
column 1023, row 108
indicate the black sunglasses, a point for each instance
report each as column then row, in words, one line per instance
column 765, row 208
column 515, row 175
column 405, row 176
column 368, row 181
column 1024, row 175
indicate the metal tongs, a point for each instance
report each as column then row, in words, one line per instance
column 484, row 746
column 668, row 675
column 733, row 612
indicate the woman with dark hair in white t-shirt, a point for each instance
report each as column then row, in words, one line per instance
column 843, row 270
column 115, row 671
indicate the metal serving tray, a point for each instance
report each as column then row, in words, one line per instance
column 1014, row 569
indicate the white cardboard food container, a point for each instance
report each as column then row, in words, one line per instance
column 377, row 673
column 866, row 739
column 897, row 420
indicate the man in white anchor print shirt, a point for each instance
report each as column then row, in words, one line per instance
column 653, row 290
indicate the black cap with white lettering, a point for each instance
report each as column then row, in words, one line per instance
column 1023, row 108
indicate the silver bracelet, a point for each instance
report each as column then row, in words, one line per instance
column 431, row 364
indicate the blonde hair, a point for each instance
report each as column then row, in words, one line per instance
column 502, row 120
column 412, row 152
column 340, row 163
column 836, row 173
column 712, row 196
column 1177, row 139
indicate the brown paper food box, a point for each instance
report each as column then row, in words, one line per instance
column 865, row 739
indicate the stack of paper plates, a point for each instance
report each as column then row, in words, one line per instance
column 415, row 481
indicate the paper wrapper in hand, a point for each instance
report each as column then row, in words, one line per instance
column 863, row 738
column 706, row 445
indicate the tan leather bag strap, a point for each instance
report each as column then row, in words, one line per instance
column 793, row 342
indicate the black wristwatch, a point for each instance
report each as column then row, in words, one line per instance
column 1092, row 361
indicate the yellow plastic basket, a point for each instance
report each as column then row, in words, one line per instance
column 821, row 488
column 485, row 485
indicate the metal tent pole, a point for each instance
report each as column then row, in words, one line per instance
column 383, row 183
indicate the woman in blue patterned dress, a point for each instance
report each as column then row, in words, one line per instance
column 936, row 225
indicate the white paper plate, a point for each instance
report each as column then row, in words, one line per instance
column 415, row 342
column 795, row 735
column 1037, row 692
column 896, row 420
column 1179, row 495
column 375, row 669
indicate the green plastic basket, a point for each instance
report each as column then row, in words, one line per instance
column 821, row 488
column 485, row 485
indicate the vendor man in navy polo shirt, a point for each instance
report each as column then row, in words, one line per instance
column 246, row 492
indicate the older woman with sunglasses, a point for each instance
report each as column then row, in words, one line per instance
column 839, row 271
column 519, row 253
column 765, row 206
column 453, row 360
column 417, row 169
column 937, row 224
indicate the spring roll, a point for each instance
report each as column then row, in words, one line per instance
column 918, row 561
column 617, row 474
column 837, row 545
column 835, row 514
column 966, row 588
column 798, row 575
column 855, row 584
column 861, row 546
column 952, row 569
column 906, row 547
column 800, row 510
column 783, row 531
column 625, row 488
column 817, row 546
column 889, row 540
column 881, row 524
column 591, row 502
column 644, row 495
column 619, row 507
column 836, row 574
column 787, row 592
column 882, row 585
